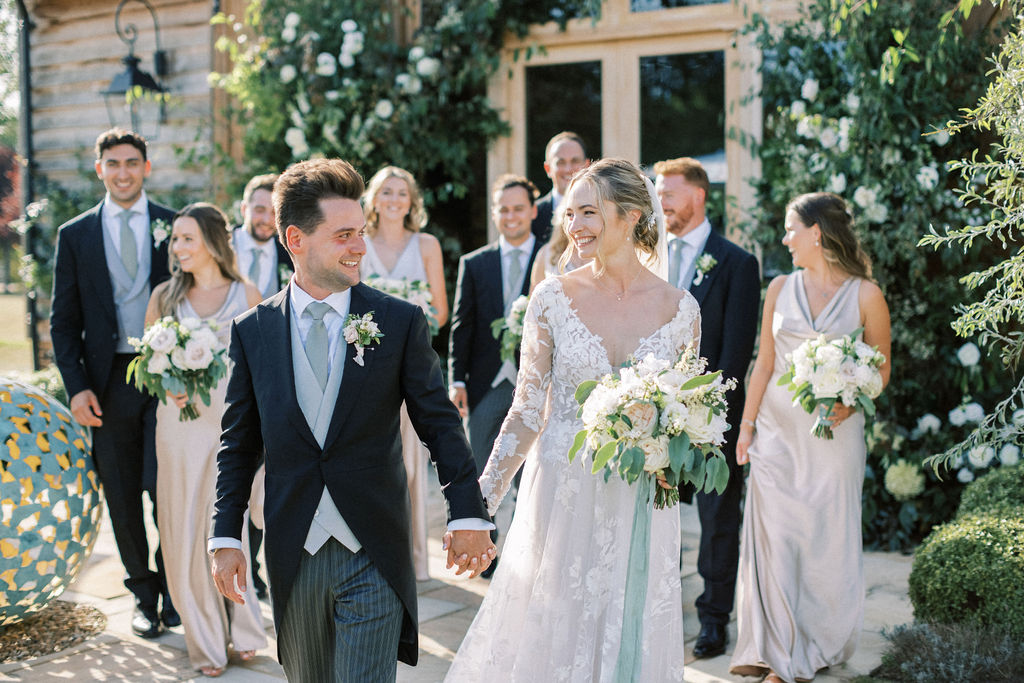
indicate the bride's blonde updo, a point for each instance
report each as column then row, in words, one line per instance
column 622, row 183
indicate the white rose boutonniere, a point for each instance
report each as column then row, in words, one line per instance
column 705, row 262
column 361, row 331
column 160, row 231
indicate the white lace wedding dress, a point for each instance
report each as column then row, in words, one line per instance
column 554, row 609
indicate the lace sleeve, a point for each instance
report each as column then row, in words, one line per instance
column 524, row 419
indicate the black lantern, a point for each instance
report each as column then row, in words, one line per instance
column 130, row 89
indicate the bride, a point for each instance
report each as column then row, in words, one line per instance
column 554, row 610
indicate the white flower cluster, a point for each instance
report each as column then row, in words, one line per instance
column 649, row 403
column 360, row 332
column 425, row 66
column 416, row 292
column 189, row 345
column 928, row 177
column 867, row 199
column 904, row 480
column 840, row 369
column 968, row 412
column 509, row 330
column 926, row 424
column 969, row 355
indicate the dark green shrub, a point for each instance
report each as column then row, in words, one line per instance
column 971, row 571
column 922, row 653
column 999, row 492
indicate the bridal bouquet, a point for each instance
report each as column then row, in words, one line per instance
column 822, row 372
column 509, row 330
column 657, row 418
column 179, row 358
column 416, row 292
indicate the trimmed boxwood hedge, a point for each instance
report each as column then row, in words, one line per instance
column 999, row 492
column 971, row 571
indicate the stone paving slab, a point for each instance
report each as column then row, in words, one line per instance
column 447, row 606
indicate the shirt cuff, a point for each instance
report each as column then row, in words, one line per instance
column 218, row 542
column 466, row 524
column 457, row 385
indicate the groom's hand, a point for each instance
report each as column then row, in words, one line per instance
column 229, row 565
column 470, row 551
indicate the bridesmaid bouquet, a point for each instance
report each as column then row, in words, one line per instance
column 822, row 372
column 178, row 358
column 416, row 292
column 657, row 418
column 509, row 330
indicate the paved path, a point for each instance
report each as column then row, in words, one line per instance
column 447, row 605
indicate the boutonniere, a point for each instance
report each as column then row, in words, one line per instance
column 160, row 231
column 705, row 262
column 360, row 332
column 284, row 273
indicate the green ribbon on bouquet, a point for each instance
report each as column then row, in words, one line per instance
column 628, row 665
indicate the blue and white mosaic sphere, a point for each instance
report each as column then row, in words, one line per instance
column 50, row 500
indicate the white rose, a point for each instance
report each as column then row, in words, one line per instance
column 968, row 355
column 198, row 355
column 288, row 73
column 288, row 34
column 869, row 380
column 655, row 453
column 890, row 156
column 158, row 364
column 207, row 338
column 292, row 19
column 836, row 184
column 178, row 358
column 349, row 25
column 296, row 140
column 163, row 339
column 651, row 364
column 981, row 456
column 1009, row 455
column 927, row 177
column 353, row 43
column 332, row 95
column 384, row 109
column 698, row 427
column 326, row 65
column 827, row 383
column 809, row 90
column 876, row 213
column 965, row 476
column 798, row 109
column 974, row 412
column 416, row 53
column 346, row 59
column 852, row 102
column 428, row 66
column 957, row 417
column 804, row 128
column 864, row 197
column 828, row 138
column 929, row 423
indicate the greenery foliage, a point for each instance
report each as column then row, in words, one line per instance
column 47, row 379
column 842, row 115
column 924, row 653
column 971, row 571
column 1000, row 493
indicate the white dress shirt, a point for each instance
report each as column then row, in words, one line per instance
column 110, row 215
column 693, row 247
column 525, row 249
column 244, row 244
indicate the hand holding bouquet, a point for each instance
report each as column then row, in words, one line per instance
column 657, row 419
column 416, row 292
column 178, row 358
column 509, row 330
column 822, row 372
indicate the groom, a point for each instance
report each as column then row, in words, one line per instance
column 725, row 281
column 337, row 514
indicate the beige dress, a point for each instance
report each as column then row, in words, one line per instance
column 801, row 582
column 186, row 482
column 409, row 266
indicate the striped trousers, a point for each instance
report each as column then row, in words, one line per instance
column 342, row 621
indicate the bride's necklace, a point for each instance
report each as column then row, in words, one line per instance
column 625, row 290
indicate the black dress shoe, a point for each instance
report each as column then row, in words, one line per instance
column 711, row 641
column 146, row 622
column 489, row 572
column 169, row 615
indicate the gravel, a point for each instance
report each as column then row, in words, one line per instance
column 60, row 625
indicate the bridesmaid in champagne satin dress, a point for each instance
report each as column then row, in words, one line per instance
column 801, row 582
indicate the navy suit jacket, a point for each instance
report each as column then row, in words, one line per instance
column 474, row 355
column 361, row 460
column 730, row 298
column 83, row 317
column 541, row 226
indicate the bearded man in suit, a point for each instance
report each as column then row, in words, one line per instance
column 320, row 393
column 108, row 261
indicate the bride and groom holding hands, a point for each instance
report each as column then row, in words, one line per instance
column 322, row 369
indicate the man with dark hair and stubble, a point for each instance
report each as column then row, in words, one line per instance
column 108, row 261
column 323, row 404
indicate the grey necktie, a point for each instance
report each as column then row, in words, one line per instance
column 515, row 269
column 316, row 341
column 254, row 269
column 129, row 247
column 675, row 260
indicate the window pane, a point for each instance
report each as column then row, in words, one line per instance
column 561, row 97
column 652, row 5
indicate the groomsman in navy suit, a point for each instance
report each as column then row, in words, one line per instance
column 325, row 411
column 108, row 260
column 725, row 280
column 563, row 156
column 490, row 279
